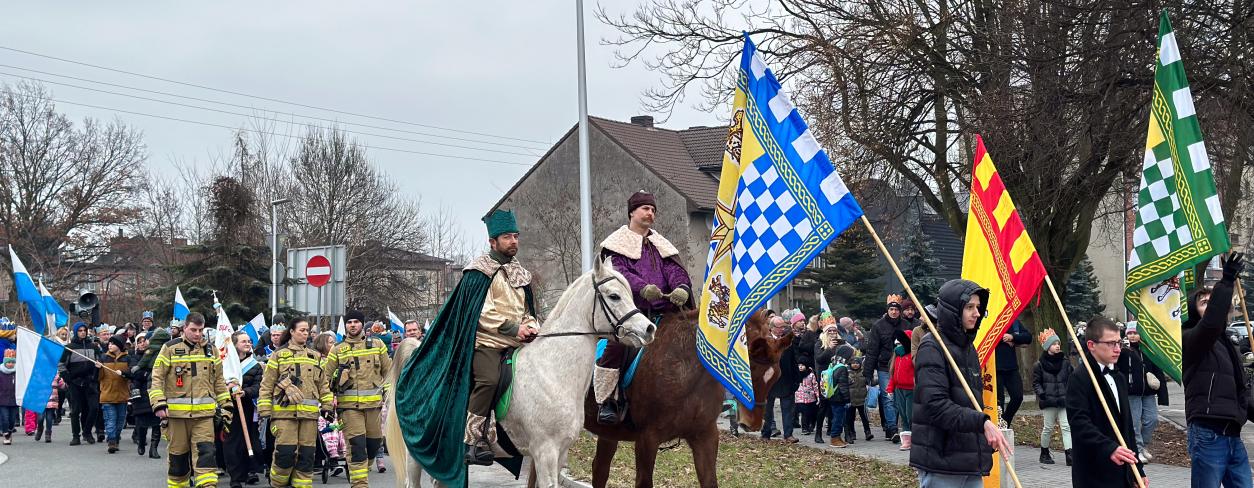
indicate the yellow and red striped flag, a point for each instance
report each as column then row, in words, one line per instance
column 998, row 254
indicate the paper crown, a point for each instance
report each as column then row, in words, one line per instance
column 894, row 299
column 1047, row 338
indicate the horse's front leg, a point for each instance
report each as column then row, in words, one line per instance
column 646, row 457
column 602, row 461
column 705, row 456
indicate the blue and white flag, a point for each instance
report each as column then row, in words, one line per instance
column 253, row 328
column 27, row 293
column 780, row 202
column 180, row 305
column 340, row 332
column 397, row 325
column 37, row 359
column 57, row 316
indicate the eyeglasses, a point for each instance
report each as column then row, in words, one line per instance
column 1110, row 344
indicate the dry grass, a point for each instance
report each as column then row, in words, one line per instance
column 749, row 463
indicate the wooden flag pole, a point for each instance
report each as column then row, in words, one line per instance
column 1092, row 377
column 1249, row 336
column 243, row 424
column 935, row 333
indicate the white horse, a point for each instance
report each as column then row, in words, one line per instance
column 552, row 373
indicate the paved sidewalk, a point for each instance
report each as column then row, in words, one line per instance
column 1031, row 472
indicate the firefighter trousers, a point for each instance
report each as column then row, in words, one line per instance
column 364, row 433
column 295, row 441
column 190, row 447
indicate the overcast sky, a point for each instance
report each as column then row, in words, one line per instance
column 501, row 68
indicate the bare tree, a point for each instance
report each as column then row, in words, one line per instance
column 63, row 188
column 445, row 237
column 338, row 197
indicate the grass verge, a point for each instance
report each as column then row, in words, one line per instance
column 750, row 463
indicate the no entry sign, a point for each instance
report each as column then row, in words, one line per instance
column 318, row 271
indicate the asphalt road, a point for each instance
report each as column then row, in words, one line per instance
column 33, row 464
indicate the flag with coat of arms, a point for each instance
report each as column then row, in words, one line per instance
column 1179, row 222
column 780, row 202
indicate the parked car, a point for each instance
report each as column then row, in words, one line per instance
column 1240, row 336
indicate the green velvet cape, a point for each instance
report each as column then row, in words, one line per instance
column 433, row 388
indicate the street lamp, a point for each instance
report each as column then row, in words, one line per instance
column 274, row 255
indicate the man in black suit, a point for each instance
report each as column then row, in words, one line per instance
column 1099, row 460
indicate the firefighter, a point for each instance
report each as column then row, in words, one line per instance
column 357, row 368
column 293, row 391
column 187, row 391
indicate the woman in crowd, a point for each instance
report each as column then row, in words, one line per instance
column 293, row 391
column 824, row 351
column 141, row 374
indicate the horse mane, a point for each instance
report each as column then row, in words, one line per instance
column 563, row 302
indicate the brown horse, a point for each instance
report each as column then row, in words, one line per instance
column 674, row 397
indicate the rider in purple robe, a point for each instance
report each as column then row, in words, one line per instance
column 659, row 284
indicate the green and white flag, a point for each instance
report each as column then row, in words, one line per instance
column 1178, row 220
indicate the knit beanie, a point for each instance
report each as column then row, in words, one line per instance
column 119, row 341
column 158, row 338
column 1131, row 327
column 797, row 318
column 355, row 315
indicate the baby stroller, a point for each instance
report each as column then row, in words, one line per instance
column 328, row 466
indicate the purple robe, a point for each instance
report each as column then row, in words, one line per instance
column 651, row 268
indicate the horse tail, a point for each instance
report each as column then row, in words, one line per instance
column 392, row 434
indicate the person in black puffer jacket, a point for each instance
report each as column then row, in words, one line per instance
column 141, row 377
column 1216, row 403
column 1144, row 394
column 879, row 354
column 824, row 352
column 953, row 440
column 82, row 377
column 1049, row 381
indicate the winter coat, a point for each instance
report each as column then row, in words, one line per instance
column 54, row 401
column 1135, row 365
column 1214, row 381
column 1049, row 380
column 808, row 390
column 857, row 388
column 115, row 388
column 789, row 377
column 823, row 357
column 79, row 368
column 1092, row 438
column 948, row 432
column 1006, row 359
column 841, row 380
column 901, row 374
column 804, row 346
column 8, row 387
column 879, row 344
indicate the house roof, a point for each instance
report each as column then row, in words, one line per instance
column 946, row 246
column 688, row 159
column 676, row 156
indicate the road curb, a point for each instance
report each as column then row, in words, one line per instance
column 567, row 481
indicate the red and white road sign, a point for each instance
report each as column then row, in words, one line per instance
column 318, row 271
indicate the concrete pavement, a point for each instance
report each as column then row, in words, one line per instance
column 57, row 464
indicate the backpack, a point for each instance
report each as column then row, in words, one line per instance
column 830, row 388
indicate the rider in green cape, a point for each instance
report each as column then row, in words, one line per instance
column 444, row 392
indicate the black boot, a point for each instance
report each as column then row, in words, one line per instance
column 143, row 444
column 1045, row 457
column 478, row 454
column 155, row 441
column 818, row 434
column 1067, row 453
column 607, row 414
column 75, row 441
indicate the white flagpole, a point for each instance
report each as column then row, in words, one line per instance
column 585, row 189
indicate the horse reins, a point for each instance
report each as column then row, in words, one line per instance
column 609, row 314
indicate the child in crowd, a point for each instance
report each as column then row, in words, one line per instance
column 1049, row 381
column 333, row 439
column 807, row 399
column 8, row 396
column 836, row 390
column 857, row 398
column 901, row 384
column 43, row 424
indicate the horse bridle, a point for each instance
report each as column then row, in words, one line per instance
column 613, row 318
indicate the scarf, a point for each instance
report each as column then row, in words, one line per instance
column 1052, row 363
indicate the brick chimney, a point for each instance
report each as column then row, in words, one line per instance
column 645, row 121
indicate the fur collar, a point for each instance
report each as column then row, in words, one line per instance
column 629, row 244
column 517, row 275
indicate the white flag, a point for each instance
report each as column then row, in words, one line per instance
column 823, row 302
column 231, row 370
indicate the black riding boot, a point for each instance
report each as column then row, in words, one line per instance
column 155, row 441
column 607, row 414
column 1067, row 453
column 1046, row 458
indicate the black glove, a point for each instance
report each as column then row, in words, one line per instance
column 1233, row 266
